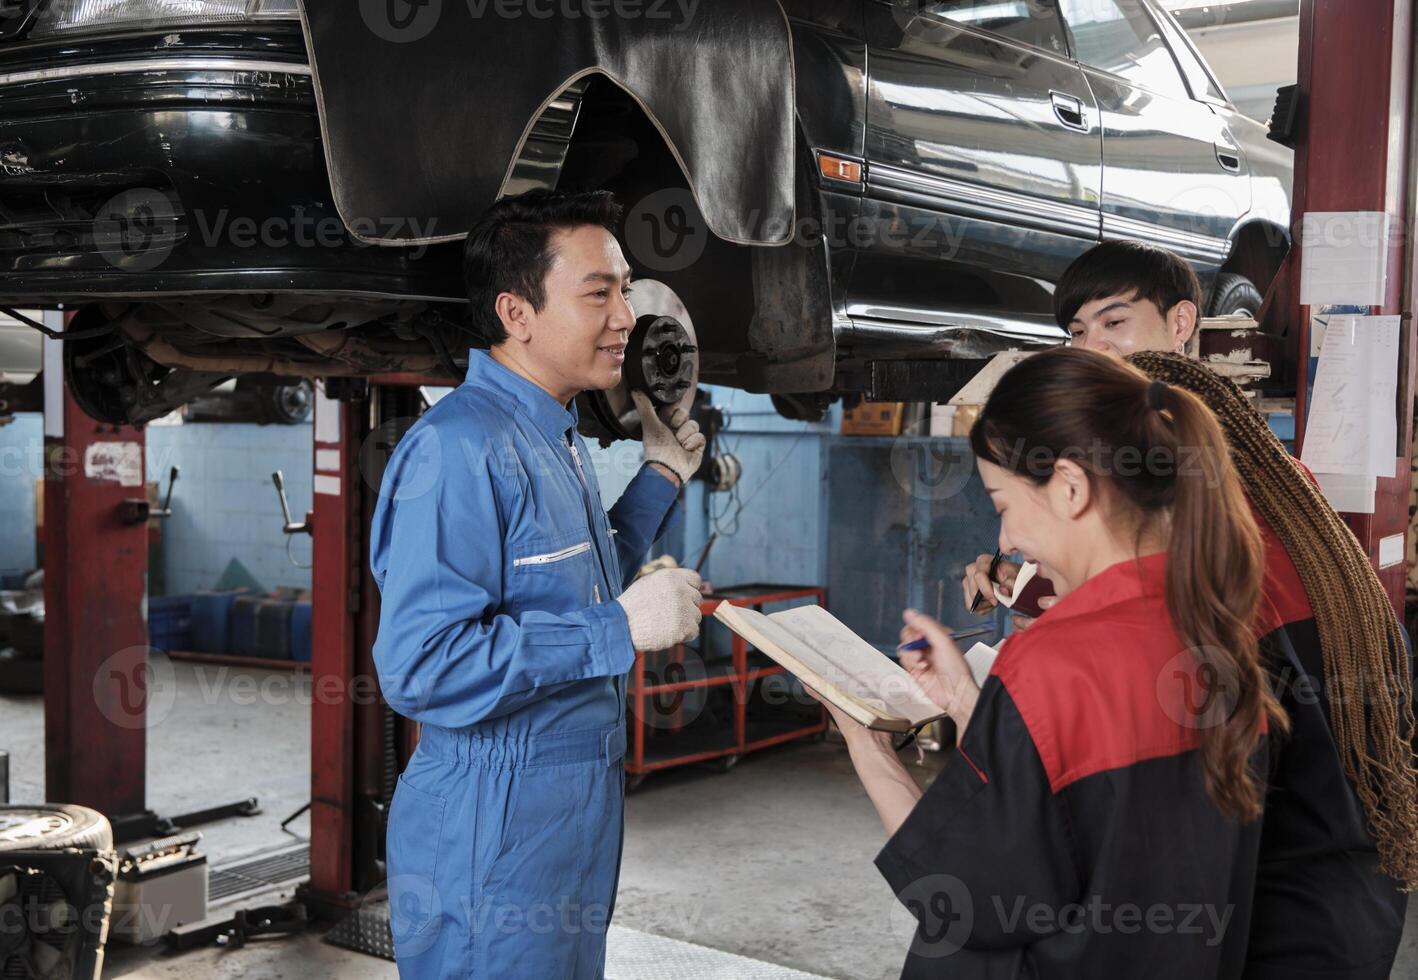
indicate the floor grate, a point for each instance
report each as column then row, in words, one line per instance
column 260, row 871
column 630, row 953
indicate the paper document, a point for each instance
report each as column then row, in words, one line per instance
column 1352, row 428
column 845, row 669
column 1345, row 258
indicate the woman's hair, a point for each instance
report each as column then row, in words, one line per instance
column 1156, row 456
column 1366, row 664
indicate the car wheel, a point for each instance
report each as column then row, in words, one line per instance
column 281, row 404
column 57, row 874
column 662, row 359
column 52, row 826
column 1235, row 294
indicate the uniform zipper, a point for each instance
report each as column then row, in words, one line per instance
column 590, row 518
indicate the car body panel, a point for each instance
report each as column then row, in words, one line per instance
column 978, row 193
column 717, row 82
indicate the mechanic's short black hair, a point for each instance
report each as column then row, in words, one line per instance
column 509, row 249
column 1146, row 271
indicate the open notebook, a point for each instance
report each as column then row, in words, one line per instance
column 838, row 664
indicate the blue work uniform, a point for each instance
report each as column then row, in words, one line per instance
column 498, row 564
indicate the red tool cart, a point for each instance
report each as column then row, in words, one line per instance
column 714, row 701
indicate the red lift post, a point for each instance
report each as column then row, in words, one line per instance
column 1355, row 153
column 96, row 679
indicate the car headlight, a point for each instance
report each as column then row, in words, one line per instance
column 75, row 16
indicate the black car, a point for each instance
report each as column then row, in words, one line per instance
column 847, row 195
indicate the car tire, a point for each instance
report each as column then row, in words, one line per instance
column 1235, row 294
column 52, row 827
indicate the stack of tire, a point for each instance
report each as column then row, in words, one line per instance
column 57, row 873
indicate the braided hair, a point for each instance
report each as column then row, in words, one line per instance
column 1366, row 669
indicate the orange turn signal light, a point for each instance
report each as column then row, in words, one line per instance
column 835, row 168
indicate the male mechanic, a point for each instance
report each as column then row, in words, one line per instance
column 507, row 625
column 1324, row 910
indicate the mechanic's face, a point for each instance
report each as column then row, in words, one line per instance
column 1052, row 524
column 1121, row 325
column 576, row 342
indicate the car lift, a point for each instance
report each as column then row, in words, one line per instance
column 1354, row 152
column 96, row 671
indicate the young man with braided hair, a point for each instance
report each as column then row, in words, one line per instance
column 1340, row 836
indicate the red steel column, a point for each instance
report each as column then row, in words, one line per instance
column 96, row 679
column 335, row 584
column 1355, row 154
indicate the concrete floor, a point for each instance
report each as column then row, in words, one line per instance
column 771, row 861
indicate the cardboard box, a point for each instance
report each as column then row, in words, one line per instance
column 873, row 419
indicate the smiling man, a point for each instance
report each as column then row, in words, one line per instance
column 508, row 623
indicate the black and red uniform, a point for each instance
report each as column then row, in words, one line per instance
column 1323, row 911
column 1072, row 835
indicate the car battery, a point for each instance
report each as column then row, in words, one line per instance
column 160, row 885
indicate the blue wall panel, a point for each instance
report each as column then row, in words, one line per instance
column 225, row 506
column 21, row 464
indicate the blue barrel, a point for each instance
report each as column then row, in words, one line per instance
column 211, row 621
column 300, row 620
column 260, row 627
column 170, row 622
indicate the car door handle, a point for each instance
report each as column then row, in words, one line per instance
column 1229, row 159
column 1070, row 111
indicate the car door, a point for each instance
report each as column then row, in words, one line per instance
column 983, row 163
column 1172, row 173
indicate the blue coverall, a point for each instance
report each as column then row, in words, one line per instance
column 497, row 566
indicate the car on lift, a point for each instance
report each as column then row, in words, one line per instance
column 848, row 195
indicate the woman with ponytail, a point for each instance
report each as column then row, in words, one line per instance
column 1102, row 816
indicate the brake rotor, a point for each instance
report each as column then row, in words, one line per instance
column 661, row 359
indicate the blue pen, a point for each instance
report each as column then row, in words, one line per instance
column 921, row 644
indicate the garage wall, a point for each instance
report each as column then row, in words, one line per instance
column 21, row 464
column 225, row 506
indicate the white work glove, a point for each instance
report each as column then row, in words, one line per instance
column 679, row 446
column 662, row 608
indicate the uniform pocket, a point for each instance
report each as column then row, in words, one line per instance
column 554, row 573
column 549, row 557
column 415, row 837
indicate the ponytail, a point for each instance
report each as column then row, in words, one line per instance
column 1048, row 408
column 1215, row 569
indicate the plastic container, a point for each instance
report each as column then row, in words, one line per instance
column 300, row 623
column 260, row 627
column 211, row 620
column 170, row 622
